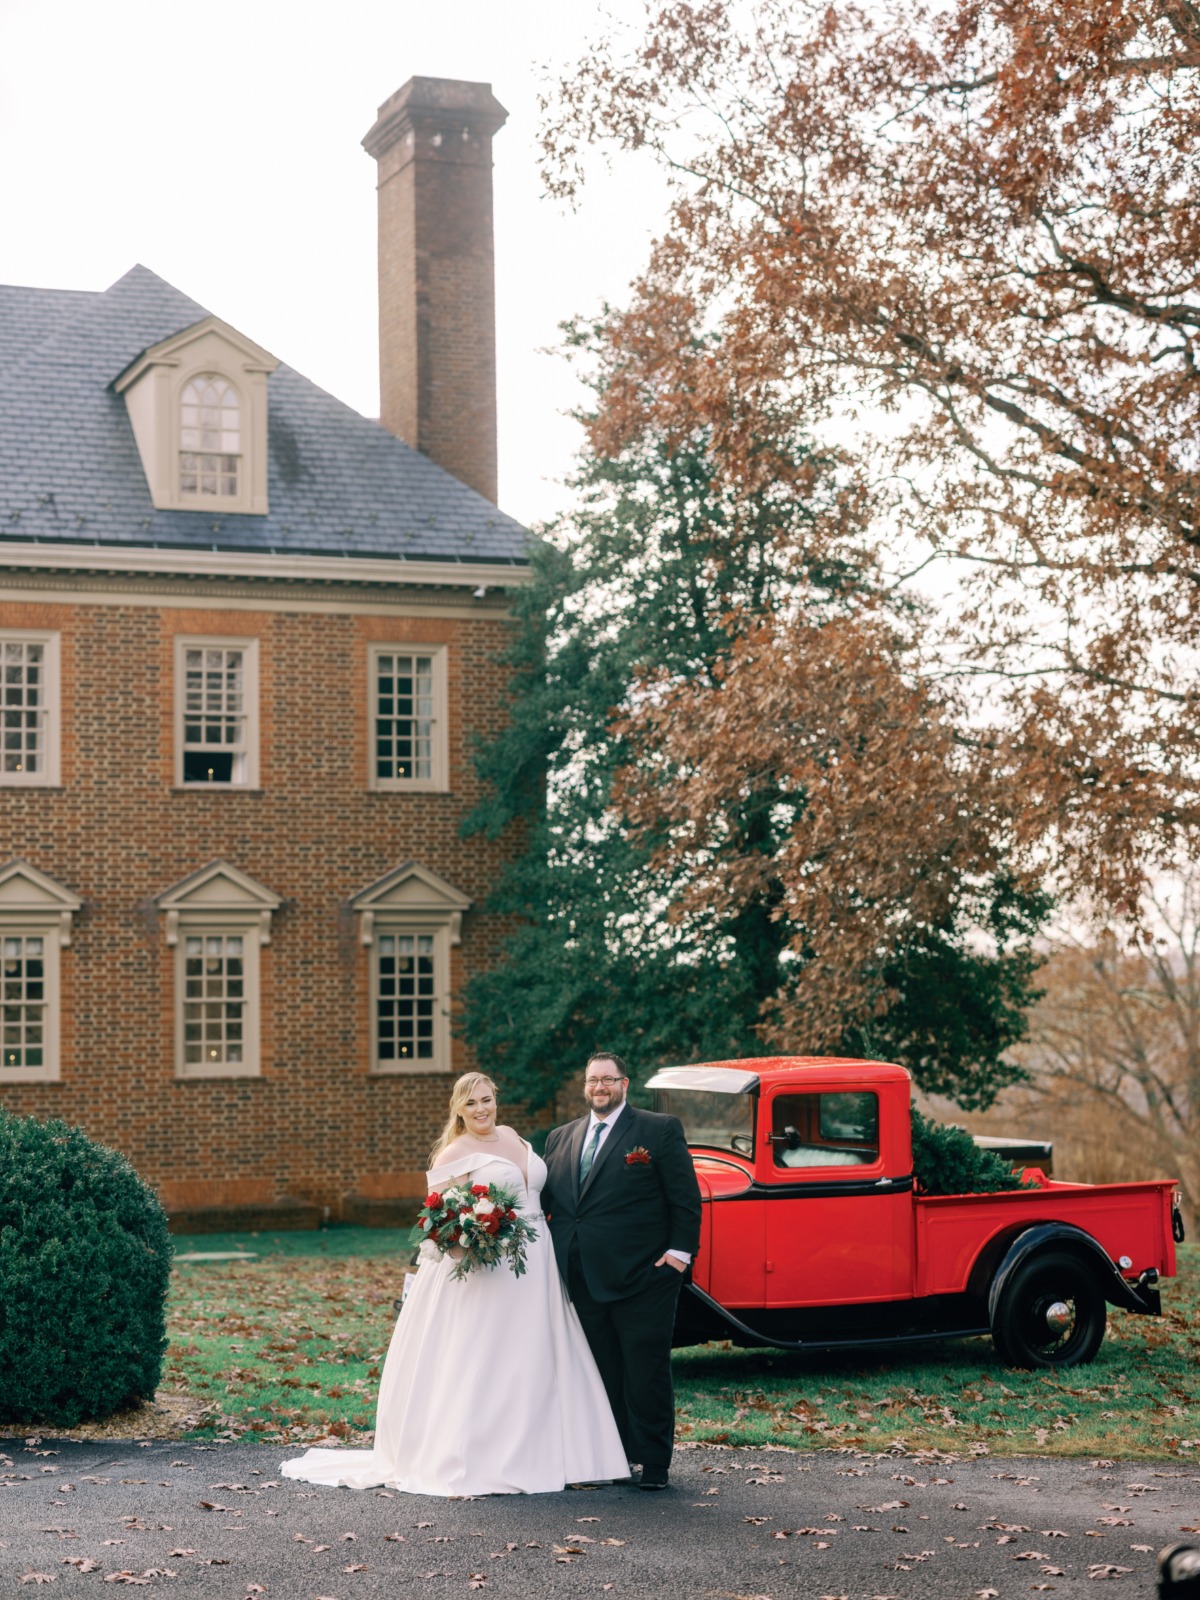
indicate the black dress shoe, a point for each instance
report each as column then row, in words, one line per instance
column 653, row 1478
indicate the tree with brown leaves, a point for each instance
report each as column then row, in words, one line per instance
column 961, row 241
column 1114, row 1046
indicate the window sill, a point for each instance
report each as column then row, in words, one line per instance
column 27, row 1075
column 216, row 788
column 417, row 786
column 30, row 783
column 220, row 1074
column 431, row 1069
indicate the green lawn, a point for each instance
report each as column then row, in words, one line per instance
column 289, row 1346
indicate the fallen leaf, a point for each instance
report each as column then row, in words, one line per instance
column 38, row 1577
column 1107, row 1570
column 355, row 1566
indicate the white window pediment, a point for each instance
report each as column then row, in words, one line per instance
column 28, row 896
column 219, row 895
column 413, row 895
column 409, row 919
column 194, row 461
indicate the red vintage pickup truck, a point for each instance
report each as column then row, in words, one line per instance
column 815, row 1237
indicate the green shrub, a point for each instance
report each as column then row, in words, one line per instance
column 948, row 1161
column 84, row 1263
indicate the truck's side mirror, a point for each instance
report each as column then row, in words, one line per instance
column 789, row 1137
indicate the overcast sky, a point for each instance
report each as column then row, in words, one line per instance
column 220, row 146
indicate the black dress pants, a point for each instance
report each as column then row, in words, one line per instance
column 631, row 1341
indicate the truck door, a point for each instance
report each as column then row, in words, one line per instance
column 838, row 1228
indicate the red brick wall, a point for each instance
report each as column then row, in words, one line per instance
column 316, row 1125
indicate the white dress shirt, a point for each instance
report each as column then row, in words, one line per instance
column 606, row 1124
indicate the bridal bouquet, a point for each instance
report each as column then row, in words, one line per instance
column 482, row 1219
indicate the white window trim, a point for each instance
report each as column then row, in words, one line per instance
column 220, row 898
column 186, row 642
column 252, row 929
column 51, row 775
column 52, row 935
column 439, row 781
column 374, row 925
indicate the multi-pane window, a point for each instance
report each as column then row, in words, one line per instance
column 404, row 717
column 216, row 705
column 405, row 998
column 23, row 983
column 24, row 706
column 214, row 1001
column 29, row 711
column 210, row 438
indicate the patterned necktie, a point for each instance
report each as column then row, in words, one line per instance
column 589, row 1152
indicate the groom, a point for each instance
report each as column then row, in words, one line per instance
column 624, row 1213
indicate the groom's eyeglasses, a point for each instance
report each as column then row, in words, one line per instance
column 601, row 1083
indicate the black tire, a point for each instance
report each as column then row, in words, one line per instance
column 1022, row 1332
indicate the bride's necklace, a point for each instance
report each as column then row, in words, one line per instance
column 495, row 1139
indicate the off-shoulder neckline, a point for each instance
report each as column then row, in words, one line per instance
column 467, row 1161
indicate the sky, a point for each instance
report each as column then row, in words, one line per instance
column 221, row 147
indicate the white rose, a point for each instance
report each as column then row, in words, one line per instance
column 484, row 1208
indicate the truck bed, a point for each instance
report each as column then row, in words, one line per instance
column 954, row 1232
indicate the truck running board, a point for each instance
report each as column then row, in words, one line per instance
column 816, row 1346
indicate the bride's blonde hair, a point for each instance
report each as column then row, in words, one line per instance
column 462, row 1091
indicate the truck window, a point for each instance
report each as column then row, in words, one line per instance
column 825, row 1130
column 712, row 1121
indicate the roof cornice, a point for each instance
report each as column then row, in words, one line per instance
column 127, row 561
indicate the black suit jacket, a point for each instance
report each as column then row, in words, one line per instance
column 628, row 1212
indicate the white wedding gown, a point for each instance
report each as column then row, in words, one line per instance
column 489, row 1386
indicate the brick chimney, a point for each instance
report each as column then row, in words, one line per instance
column 437, row 303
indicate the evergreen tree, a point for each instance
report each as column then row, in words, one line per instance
column 658, row 570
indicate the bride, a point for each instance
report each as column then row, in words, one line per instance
column 489, row 1386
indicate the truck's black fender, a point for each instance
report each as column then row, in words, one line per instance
column 1142, row 1296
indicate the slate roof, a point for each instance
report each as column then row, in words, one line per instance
column 339, row 483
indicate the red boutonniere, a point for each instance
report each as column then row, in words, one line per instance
column 637, row 1157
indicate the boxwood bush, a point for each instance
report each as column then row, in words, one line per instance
column 84, row 1261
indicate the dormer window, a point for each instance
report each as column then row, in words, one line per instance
column 210, row 437
column 197, row 404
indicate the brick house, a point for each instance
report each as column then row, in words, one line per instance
column 247, row 639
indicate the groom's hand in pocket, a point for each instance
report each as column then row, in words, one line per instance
column 668, row 1260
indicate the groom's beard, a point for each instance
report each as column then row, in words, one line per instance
column 615, row 1102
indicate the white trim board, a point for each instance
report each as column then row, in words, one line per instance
column 204, row 563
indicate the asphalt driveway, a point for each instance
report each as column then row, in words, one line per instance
column 217, row 1520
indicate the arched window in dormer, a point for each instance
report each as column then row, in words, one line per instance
column 210, row 437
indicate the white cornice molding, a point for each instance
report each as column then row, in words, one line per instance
column 121, row 561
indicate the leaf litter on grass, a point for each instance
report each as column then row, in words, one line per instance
column 289, row 1347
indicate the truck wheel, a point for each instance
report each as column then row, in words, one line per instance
column 1051, row 1314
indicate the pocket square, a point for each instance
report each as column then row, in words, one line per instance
column 639, row 1156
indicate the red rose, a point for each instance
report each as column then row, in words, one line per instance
column 433, row 1201
column 511, row 1215
column 639, row 1156
column 479, row 1188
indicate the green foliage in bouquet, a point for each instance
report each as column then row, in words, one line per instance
column 84, row 1261
column 948, row 1161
